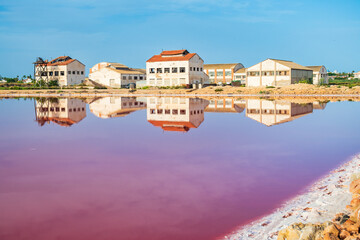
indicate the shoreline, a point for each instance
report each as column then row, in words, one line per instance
column 320, row 202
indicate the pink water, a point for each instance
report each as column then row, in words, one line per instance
column 123, row 178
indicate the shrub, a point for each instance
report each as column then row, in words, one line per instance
column 270, row 87
column 219, row 90
column 146, row 87
column 99, row 87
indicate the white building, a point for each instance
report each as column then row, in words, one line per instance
column 275, row 112
column 110, row 107
column 65, row 70
column 62, row 111
column 273, row 72
column 175, row 113
column 357, row 75
column 222, row 73
column 175, row 68
column 320, row 75
column 115, row 74
column 240, row 75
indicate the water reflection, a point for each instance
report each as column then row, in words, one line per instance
column 62, row 111
column 175, row 113
column 276, row 112
column 110, row 107
column 171, row 113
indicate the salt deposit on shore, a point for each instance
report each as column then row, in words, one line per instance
column 321, row 203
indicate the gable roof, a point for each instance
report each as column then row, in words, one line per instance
column 315, row 68
column 171, row 56
column 290, row 64
column 59, row 61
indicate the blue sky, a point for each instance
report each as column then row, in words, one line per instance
column 308, row 32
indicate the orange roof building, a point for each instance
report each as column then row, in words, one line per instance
column 176, row 114
column 62, row 111
column 65, row 70
column 175, row 68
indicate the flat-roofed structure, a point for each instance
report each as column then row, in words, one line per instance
column 357, row 75
column 175, row 68
column 111, row 107
column 275, row 112
column 62, row 111
column 274, row 72
column 116, row 75
column 175, row 113
column 240, row 75
column 65, row 70
column 320, row 75
column 223, row 72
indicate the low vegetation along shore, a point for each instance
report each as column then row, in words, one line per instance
column 296, row 89
column 330, row 210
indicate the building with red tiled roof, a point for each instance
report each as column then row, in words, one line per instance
column 176, row 114
column 64, row 111
column 175, row 68
column 65, row 70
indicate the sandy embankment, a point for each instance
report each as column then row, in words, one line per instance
column 291, row 90
column 321, row 203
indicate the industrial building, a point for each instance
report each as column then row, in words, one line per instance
column 222, row 73
column 320, row 75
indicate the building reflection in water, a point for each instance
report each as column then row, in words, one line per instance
column 276, row 112
column 110, row 107
column 62, row 111
column 226, row 105
column 175, row 113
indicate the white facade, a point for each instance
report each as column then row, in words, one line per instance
column 175, row 68
column 115, row 74
column 240, row 75
column 62, row 111
column 276, row 112
column 110, row 107
column 65, row 70
column 320, row 75
column 357, row 75
column 273, row 72
column 175, row 113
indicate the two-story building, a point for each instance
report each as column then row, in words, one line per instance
column 222, row 73
column 65, row 70
column 175, row 68
column 320, row 75
column 240, row 75
column 274, row 72
column 357, row 75
column 175, row 113
column 62, row 111
column 111, row 107
column 115, row 74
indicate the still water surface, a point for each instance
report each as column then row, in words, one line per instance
column 160, row 168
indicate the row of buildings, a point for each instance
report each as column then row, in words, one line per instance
column 179, row 68
column 171, row 113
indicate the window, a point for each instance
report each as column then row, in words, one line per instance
column 78, row 72
column 220, row 73
column 82, row 72
column 267, row 73
column 174, row 70
column 56, row 73
column 51, row 73
column 124, row 78
column 141, row 77
column 62, row 73
column 73, row 72
column 253, row 73
column 152, row 70
column 63, row 109
column 182, row 69
column 130, row 77
column 159, row 111
column 198, row 69
column 167, row 111
column 57, row 109
column 44, row 74
column 69, row 72
column 211, row 74
column 175, row 111
column 182, row 112
column 201, row 69
column 159, row 70
column 227, row 73
column 191, row 68
column 135, row 78
column 152, row 111
column 166, row 70
column 282, row 73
